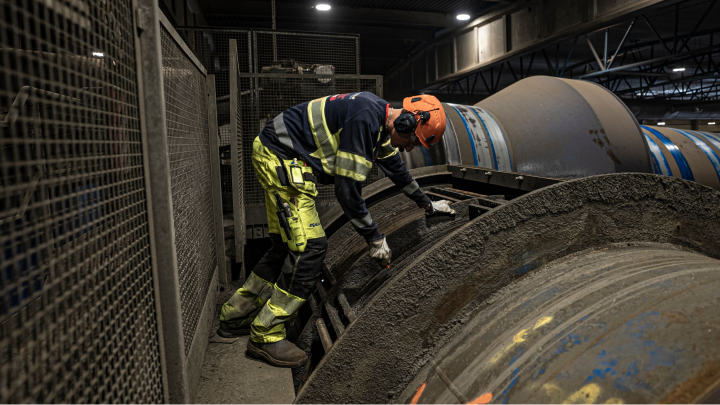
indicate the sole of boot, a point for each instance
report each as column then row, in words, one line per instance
column 233, row 333
column 253, row 351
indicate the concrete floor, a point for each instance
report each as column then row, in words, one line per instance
column 230, row 377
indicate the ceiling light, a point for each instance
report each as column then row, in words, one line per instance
column 711, row 123
column 323, row 7
column 99, row 54
column 679, row 70
column 463, row 17
column 661, row 123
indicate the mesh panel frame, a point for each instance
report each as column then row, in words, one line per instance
column 77, row 306
column 185, row 89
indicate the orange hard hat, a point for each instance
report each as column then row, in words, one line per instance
column 430, row 116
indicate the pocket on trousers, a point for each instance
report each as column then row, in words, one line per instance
column 297, row 179
column 299, row 238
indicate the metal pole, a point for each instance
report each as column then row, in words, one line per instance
column 159, row 200
column 236, row 142
column 274, row 27
column 216, row 182
column 607, row 33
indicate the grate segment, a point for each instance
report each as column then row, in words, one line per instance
column 77, row 307
column 191, row 182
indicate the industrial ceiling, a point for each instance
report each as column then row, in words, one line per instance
column 389, row 30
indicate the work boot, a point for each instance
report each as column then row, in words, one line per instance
column 278, row 354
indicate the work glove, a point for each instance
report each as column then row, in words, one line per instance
column 441, row 207
column 380, row 251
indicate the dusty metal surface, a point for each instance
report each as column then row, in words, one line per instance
column 445, row 287
column 628, row 324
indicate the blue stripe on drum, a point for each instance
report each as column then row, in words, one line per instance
column 685, row 170
column 498, row 142
column 712, row 156
column 472, row 143
column 481, row 149
column 713, row 138
column 660, row 164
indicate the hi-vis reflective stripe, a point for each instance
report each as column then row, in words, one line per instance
column 497, row 140
column 351, row 165
column 281, row 131
column 660, row 164
column 324, row 140
column 362, row 222
column 386, row 150
column 410, row 188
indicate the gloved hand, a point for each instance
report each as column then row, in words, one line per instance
column 380, row 251
column 440, row 207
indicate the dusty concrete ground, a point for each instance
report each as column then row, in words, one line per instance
column 230, row 377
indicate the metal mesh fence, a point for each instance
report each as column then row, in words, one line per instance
column 77, row 307
column 191, row 182
column 338, row 53
column 264, row 96
column 211, row 48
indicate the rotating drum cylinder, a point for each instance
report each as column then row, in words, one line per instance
column 561, row 128
column 543, row 126
column 685, row 154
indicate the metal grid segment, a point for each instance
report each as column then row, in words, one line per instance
column 77, row 307
column 238, row 170
column 191, row 182
column 273, row 94
column 211, row 48
column 340, row 51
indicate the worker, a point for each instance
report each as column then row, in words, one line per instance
column 333, row 139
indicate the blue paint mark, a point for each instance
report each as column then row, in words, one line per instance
column 524, row 269
column 518, row 353
column 504, row 137
column 492, row 146
column 651, row 355
column 660, row 164
column 539, row 373
column 543, row 296
column 472, row 141
column 604, row 368
column 685, row 170
column 632, row 369
column 584, row 318
column 511, row 385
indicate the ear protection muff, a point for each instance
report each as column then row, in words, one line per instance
column 406, row 123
